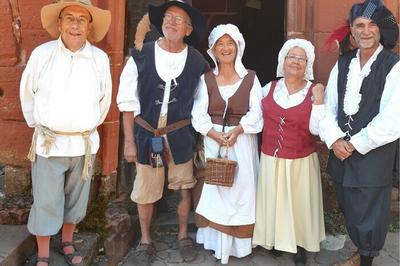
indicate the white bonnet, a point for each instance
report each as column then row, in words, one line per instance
column 307, row 47
column 235, row 34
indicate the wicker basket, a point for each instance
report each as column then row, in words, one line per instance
column 220, row 171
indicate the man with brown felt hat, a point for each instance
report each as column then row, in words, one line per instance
column 362, row 125
column 156, row 92
column 65, row 95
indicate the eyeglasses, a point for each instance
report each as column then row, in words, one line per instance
column 178, row 19
column 294, row 58
column 81, row 21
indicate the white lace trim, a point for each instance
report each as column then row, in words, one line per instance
column 355, row 77
column 352, row 96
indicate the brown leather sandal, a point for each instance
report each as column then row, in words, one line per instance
column 187, row 249
column 70, row 256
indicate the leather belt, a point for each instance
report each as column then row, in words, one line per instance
column 162, row 130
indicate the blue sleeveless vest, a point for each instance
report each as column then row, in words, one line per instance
column 151, row 94
column 376, row 167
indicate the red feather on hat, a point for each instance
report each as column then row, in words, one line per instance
column 338, row 34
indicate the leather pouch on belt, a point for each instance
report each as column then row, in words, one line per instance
column 157, row 151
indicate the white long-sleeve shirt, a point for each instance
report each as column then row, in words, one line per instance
column 286, row 100
column 251, row 122
column 168, row 65
column 384, row 127
column 68, row 92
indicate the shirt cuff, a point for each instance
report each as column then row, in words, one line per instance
column 332, row 136
column 128, row 107
column 360, row 142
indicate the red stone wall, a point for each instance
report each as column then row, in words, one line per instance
column 21, row 32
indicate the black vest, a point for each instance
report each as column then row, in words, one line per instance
column 151, row 94
column 376, row 167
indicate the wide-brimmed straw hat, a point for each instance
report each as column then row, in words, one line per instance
column 101, row 19
column 198, row 21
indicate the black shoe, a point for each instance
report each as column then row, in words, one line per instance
column 366, row 260
column 300, row 258
column 275, row 253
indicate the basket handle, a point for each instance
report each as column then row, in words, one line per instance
column 223, row 130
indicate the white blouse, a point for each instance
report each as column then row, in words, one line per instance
column 66, row 91
column 384, row 127
column 168, row 65
column 286, row 100
column 251, row 122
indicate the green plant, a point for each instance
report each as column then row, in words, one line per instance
column 334, row 222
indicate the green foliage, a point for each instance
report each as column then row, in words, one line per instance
column 394, row 227
column 95, row 220
column 334, row 222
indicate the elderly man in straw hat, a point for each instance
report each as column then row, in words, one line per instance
column 65, row 95
column 362, row 125
column 156, row 93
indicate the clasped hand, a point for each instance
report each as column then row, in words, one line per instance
column 342, row 149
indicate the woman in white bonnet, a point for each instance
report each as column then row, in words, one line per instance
column 289, row 210
column 231, row 95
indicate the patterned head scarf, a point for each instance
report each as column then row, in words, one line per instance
column 377, row 12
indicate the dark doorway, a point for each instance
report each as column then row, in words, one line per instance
column 262, row 24
column 263, row 29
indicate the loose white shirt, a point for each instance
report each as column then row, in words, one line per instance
column 168, row 66
column 384, row 127
column 68, row 92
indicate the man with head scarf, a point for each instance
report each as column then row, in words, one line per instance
column 155, row 95
column 227, row 111
column 65, row 95
column 362, row 126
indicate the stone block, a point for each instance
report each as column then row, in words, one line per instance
column 14, row 143
column 109, row 146
column 324, row 19
column 325, row 59
column 296, row 16
column 108, row 185
column 8, row 53
column 123, row 231
column 17, row 181
column 30, row 13
column 31, row 38
column 10, row 105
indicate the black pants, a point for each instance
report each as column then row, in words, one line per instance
column 367, row 214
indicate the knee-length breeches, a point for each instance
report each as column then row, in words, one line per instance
column 367, row 214
column 60, row 195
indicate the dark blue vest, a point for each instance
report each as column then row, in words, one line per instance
column 151, row 94
column 376, row 167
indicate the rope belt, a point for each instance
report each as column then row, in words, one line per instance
column 162, row 130
column 50, row 138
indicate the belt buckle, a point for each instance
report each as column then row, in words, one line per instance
column 161, row 131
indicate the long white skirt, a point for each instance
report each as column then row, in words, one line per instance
column 230, row 206
column 289, row 209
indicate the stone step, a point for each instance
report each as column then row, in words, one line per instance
column 16, row 244
column 86, row 243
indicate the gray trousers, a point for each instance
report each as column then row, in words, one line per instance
column 367, row 214
column 59, row 193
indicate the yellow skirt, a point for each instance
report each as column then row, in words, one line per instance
column 289, row 208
